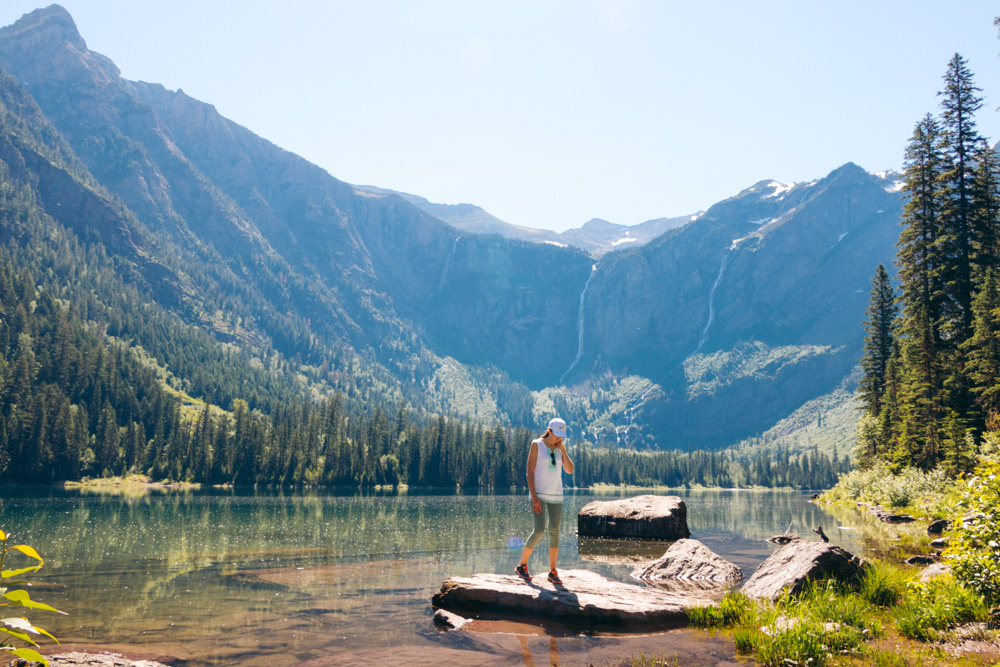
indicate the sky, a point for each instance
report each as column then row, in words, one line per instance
column 550, row 113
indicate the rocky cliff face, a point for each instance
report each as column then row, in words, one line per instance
column 781, row 270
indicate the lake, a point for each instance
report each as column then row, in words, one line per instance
column 279, row 578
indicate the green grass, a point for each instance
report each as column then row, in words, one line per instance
column 927, row 611
column 883, row 585
column 832, row 622
column 734, row 608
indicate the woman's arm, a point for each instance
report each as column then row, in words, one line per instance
column 536, row 504
column 567, row 461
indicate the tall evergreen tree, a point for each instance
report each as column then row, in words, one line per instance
column 962, row 148
column 917, row 250
column 879, row 338
column 984, row 350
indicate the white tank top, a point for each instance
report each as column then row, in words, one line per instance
column 548, row 476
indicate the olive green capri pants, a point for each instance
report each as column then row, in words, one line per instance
column 554, row 513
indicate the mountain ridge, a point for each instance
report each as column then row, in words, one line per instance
column 272, row 254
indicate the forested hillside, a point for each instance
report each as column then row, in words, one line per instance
column 249, row 279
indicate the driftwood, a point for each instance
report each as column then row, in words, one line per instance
column 819, row 531
column 785, row 537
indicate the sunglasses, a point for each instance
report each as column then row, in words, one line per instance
column 552, row 455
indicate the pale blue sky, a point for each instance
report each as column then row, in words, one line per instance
column 550, row 113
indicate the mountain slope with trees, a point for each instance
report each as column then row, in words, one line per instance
column 246, row 273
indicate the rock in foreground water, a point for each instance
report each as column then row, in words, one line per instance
column 582, row 597
column 793, row 565
column 641, row 517
column 690, row 560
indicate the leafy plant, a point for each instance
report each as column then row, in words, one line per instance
column 975, row 546
column 19, row 627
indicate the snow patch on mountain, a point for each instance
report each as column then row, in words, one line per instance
column 779, row 189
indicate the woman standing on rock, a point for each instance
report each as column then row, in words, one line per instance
column 545, row 485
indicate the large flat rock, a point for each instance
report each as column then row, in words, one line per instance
column 792, row 566
column 584, row 596
column 641, row 517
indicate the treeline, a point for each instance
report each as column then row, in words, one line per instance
column 76, row 403
column 931, row 364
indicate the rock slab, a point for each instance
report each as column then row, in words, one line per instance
column 641, row 517
column 690, row 560
column 583, row 596
column 795, row 564
column 935, row 570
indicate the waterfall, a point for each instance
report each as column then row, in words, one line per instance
column 447, row 263
column 579, row 325
column 446, row 270
column 711, row 302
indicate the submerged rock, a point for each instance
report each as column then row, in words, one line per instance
column 886, row 516
column 448, row 621
column 690, row 560
column 792, row 566
column 78, row 659
column 641, row 517
column 583, row 596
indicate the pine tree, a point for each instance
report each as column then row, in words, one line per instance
column 986, row 216
column 879, row 338
column 917, row 250
column 962, row 147
column 983, row 350
column 921, row 408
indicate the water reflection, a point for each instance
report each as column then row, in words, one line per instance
column 220, row 577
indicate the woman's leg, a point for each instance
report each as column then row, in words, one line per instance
column 555, row 521
column 536, row 534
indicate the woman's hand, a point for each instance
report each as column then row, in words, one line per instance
column 536, row 504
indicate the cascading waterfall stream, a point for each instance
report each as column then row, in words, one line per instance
column 711, row 302
column 446, row 270
column 579, row 325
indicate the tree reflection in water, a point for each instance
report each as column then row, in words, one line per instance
column 277, row 577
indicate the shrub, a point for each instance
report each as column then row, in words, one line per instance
column 878, row 484
column 975, row 545
column 19, row 627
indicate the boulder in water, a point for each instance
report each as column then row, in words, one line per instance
column 690, row 560
column 642, row 517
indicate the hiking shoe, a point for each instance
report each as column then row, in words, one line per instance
column 522, row 571
column 554, row 577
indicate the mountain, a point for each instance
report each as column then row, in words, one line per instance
column 595, row 236
column 248, row 273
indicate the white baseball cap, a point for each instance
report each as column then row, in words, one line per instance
column 558, row 427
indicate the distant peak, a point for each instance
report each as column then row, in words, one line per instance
column 53, row 19
column 848, row 174
column 598, row 223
